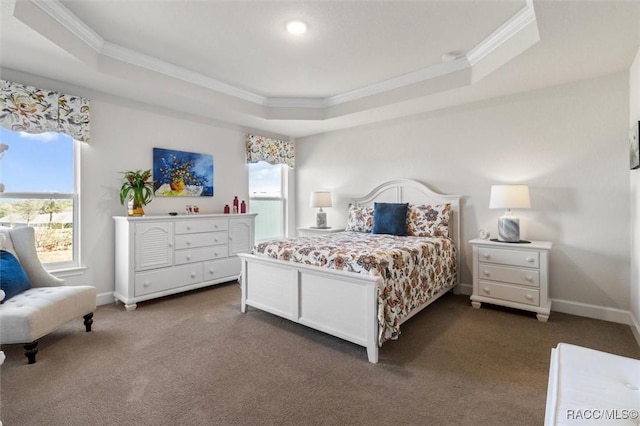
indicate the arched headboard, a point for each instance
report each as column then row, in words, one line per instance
column 414, row 192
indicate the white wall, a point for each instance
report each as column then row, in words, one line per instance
column 122, row 137
column 569, row 143
column 634, row 117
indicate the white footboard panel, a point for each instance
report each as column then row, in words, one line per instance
column 337, row 303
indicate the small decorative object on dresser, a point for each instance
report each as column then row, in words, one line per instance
column 136, row 189
column 510, row 275
column 161, row 255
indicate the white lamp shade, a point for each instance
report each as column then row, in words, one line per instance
column 320, row 199
column 509, row 197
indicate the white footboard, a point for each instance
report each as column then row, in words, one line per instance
column 308, row 295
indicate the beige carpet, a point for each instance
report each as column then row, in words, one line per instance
column 194, row 359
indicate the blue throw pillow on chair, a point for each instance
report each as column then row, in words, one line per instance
column 12, row 277
column 390, row 218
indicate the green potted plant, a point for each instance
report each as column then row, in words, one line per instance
column 138, row 189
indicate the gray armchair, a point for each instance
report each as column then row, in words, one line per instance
column 33, row 313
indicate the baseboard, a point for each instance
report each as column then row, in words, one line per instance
column 592, row 311
column 466, row 289
column 105, row 298
column 635, row 328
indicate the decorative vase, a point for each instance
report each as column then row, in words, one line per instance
column 177, row 185
column 134, row 208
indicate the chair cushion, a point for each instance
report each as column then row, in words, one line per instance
column 13, row 279
column 38, row 311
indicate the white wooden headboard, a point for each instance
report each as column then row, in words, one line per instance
column 414, row 192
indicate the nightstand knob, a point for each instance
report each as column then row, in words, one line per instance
column 486, row 290
column 486, row 255
column 486, row 273
column 529, row 297
column 530, row 259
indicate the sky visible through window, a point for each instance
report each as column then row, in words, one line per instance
column 265, row 179
column 37, row 162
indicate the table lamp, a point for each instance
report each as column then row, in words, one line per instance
column 509, row 197
column 321, row 199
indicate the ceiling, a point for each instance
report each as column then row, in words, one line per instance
column 359, row 62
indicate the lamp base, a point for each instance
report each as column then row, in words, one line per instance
column 509, row 229
column 321, row 220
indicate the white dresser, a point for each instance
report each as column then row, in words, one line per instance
column 161, row 255
column 513, row 275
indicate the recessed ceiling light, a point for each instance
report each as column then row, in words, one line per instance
column 296, row 27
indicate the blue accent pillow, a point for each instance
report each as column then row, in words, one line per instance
column 13, row 279
column 390, row 218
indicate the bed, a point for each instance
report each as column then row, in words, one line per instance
column 324, row 284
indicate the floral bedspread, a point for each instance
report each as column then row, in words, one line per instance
column 414, row 269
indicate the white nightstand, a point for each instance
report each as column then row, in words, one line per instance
column 513, row 275
column 306, row 232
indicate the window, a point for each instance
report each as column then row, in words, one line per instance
column 267, row 186
column 41, row 180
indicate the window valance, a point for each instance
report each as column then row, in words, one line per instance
column 32, row 110
column 273, row 151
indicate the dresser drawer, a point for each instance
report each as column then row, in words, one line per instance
column 509, row 257
column 222, row 268
column 524, row 295
column 167, row 278
column 200, row 254
column 205, row 225
column 528, row 277
column 201, row 240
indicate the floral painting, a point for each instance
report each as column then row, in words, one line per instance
column 182, row 174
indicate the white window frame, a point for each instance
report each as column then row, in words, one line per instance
column 75, row 197
column 284, row 185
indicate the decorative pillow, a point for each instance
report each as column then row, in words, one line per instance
column 390, row 218
column 429, row 221
column 13, row 279
column 360, row 219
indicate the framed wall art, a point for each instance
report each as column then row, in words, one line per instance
column 182, row 174
column 634, row 148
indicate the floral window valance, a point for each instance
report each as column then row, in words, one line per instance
column 32, row 110
column 273, row 151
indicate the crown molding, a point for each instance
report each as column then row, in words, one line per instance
column 87, row 35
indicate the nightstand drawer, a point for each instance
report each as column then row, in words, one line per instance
column 527, row 296
column 528, row 277
column 527, row 258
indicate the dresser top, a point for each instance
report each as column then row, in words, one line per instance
column 537, row 245
column 183, row 216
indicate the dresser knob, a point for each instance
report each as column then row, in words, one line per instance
column 486, row 273
column 188, row 228
column 188, row 257
column 486, row 255
column 215, row 225
column 216, row 254
column 529, row 278
column 212, row 271
column 193, row 275
column 215, row 240
column 188, row 243
column 486, row 290
column 530, row 259
column 145, row 284
column 529, row 297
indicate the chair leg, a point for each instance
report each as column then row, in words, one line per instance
column 88, row 320
column 30, row 351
